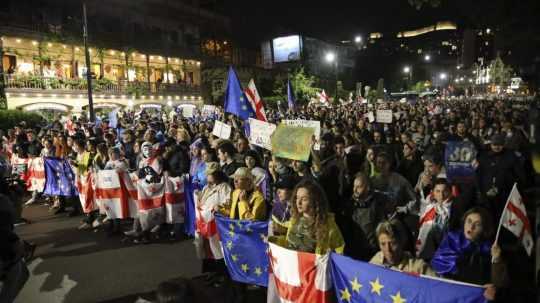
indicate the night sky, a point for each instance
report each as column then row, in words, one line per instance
column 340, row 20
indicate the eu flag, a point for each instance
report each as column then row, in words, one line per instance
column 291, row 100
column 189, row 218
column 245, row 249
column 236, row 101
column 59, row 178
column 356, row 281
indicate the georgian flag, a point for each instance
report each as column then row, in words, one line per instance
column 514, row 218
column 85, row 186
column 150, row 202
column 255, row 100
column 298, row 276
column 427, row 219
column 36, row 174
column 323, row 98
column 175, row 202
column 205, row 221
column 114, row 194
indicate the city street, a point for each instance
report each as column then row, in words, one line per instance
column 83, row 266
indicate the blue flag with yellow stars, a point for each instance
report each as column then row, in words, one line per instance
column 245, row 247
column 236, row 101
column 59, row 178
column 356, row 281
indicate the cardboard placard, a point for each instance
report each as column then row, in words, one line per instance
column 308, row 123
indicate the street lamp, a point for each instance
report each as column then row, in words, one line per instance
column 408, row 70
column 427, row 58
column 442, row 76
column 358, row 39
column 332, row 58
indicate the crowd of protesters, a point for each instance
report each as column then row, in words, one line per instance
column 362, row 194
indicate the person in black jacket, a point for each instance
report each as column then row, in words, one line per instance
column 359, row 217
column 176, row 158
column 226, row 155
column 497, row 172
column 411, row 165
column 13, row 271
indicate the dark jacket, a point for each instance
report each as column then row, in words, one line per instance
column 497, row 173
column 8, row 238
column 34, row 148
column 129, row 154
column 411, row 169
column 177, row 161
column 331, row 180
column 358, row 221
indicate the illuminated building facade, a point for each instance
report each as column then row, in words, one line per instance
column 148, row 52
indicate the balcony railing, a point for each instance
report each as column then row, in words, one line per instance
column 98, row 85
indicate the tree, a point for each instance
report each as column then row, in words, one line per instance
column 499, row 73
column 380, row 89
column 303, row 85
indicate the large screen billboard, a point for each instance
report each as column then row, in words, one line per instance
column 286, row 48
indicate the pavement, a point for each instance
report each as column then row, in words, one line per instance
column 85, row 266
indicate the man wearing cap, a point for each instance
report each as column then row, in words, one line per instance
column 281, row 210
column 498, row 170
column 247, row 202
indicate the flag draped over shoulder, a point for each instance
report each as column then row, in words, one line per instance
column 150, row 203
column 298, row 276
column 236, row 101
column 245, row 249
column 59, row 178
column 116, row 194
column 356, row 281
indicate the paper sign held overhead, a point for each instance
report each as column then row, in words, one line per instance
column 384, row 116
column 222, row 130
column 260, row 133
column 187, row 111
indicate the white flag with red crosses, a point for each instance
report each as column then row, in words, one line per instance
column 514, row 218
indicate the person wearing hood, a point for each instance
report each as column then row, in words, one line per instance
column 150, row 171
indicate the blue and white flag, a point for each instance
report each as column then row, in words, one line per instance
column 356, row 281
column 245, row 249
column 236, row 101
column 59, row 178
